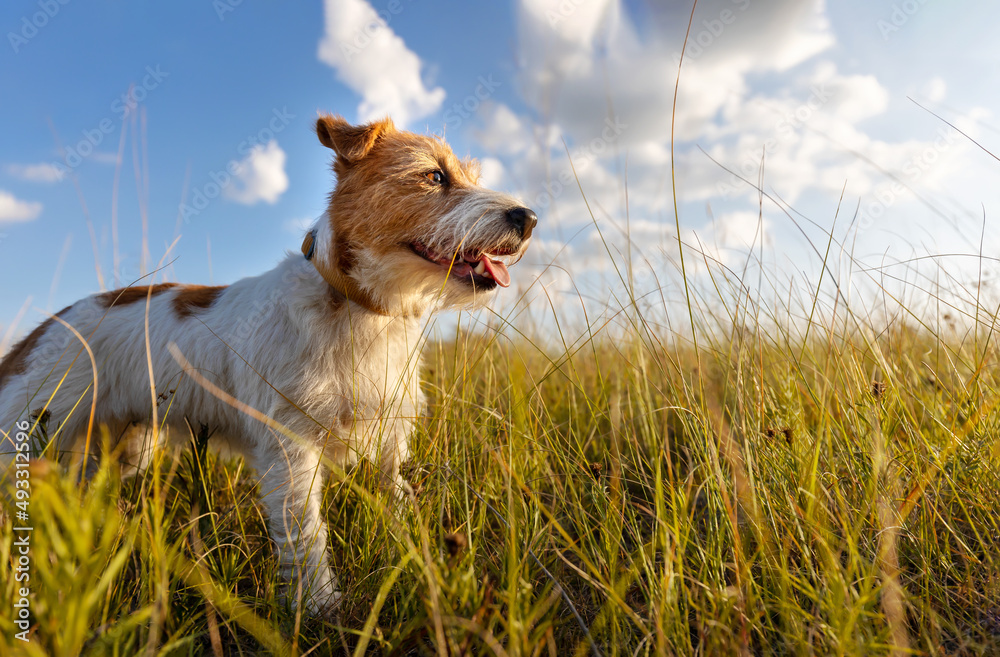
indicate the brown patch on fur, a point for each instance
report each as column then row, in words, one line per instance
column 16, row 360
column 335, row 297
column 192, row 298
column 346, row 258
column 127, row 295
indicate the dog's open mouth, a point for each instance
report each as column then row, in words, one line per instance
column 484, row 269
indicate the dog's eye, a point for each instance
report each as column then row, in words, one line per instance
column 435, row 177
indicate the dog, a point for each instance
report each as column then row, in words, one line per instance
column 314, row 361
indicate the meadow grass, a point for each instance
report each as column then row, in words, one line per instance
column 764, row 490
column 727, row 475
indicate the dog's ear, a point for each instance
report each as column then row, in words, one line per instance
column 351, row 142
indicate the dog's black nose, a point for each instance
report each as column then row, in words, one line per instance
column 523, row 220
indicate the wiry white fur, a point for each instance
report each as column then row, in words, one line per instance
column 350, row 378
column 476, row 221
column 424, row 286
column 406, row 286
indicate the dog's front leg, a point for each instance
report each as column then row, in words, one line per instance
column 395, row 450
column 291, row 482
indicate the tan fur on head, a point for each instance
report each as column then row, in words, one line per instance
column 351, row 142
column 397, row 189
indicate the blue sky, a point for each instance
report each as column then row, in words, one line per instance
column 821, row 87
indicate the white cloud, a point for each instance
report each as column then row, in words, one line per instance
column 260, row 177
column 14, row 210
column 492, row 174
column 44, row 172
column 935, row 90
column 974, row 120
column 578, row 58
column 586, row 67
column 374, row 62
column 852, row 98
column 763, row 90
column 740, row 229
column 504, row 131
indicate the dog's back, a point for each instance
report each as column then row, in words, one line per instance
column 99, row 343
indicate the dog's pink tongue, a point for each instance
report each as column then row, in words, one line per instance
column 498, row 271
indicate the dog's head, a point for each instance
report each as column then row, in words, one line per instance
column 408, row 225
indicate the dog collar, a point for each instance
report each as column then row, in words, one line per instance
column 337, row 280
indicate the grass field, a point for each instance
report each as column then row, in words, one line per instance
column 723, row 459
column 726, row 475
column 829, row 488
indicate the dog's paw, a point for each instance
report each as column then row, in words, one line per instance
column 400, row 494
column 324, row 602
column 317, row 593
